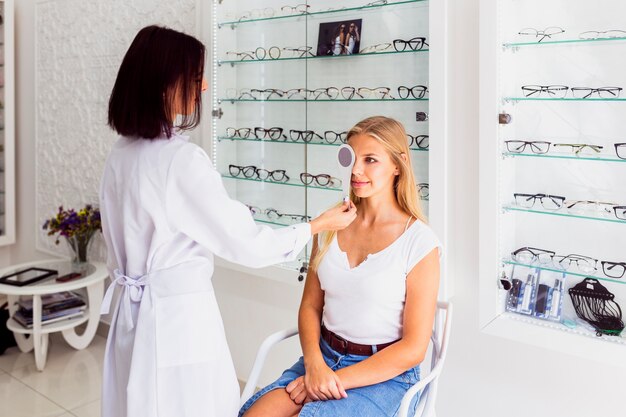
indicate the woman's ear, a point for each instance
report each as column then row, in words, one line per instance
column 405, row 159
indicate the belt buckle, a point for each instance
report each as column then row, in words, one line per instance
column 343, row 344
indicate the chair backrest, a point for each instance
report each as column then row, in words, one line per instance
column 428, row 384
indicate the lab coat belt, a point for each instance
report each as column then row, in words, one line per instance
column 132, row 290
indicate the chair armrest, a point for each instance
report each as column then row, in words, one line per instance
column 261, row 355
column 419, row 386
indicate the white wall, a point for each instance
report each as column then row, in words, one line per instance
column 484, row 375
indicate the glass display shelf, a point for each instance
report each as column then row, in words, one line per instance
column 562, row 214
column 603, row 158
column 561, row 99
column 582, row 328
column 560, row 270
column 248, row 100
column 273, row 223
column 235, row 23
column 289, row 142
column 289, row 183
column 370, row 54
column 562, row 42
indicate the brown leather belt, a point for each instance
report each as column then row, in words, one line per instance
column 345, row 347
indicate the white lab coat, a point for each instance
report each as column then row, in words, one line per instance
column 165, row 213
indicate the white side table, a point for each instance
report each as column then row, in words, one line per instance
column 37, row 337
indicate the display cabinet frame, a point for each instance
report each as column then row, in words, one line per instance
column 499, row 176
column 7, row 155
column 437, row 117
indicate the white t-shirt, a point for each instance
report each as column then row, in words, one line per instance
column 365, row 304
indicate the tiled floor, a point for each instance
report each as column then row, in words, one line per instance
column 68, row 386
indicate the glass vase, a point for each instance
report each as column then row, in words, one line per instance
column 79, row 245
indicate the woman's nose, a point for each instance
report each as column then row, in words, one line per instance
column 205, row 84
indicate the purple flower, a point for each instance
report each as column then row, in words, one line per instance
column 69, row 223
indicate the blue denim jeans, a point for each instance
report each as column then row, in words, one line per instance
column 379, row 400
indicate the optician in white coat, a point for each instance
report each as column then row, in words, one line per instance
column 165, row 214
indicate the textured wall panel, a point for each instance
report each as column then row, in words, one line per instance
column 80, row 44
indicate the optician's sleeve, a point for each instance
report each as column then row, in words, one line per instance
column 198, row 206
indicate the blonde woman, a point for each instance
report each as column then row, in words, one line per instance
column 370, row 296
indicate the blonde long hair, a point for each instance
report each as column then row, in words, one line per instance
column 391, row 134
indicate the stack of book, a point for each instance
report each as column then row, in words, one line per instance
column 54, row 307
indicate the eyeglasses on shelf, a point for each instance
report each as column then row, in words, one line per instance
column 613, row 269
column 257, row 14
column 243, row 133
column 372, row 49
column 273, row 52
column 297, row 9
column 560, row 91
column 584, row 264
column 251, row 171
column 421, row 141
column 325, row 93
column 551, row 91
column 579, row 148
column 423, row 190
column 323, row 180
column 602, row 92
column 417, row 91
column 577, row 207
column 274, row 214
column 605, row 34
column 272, row 133
column 542, row 34
column 548, row 202
column 519, row 146
column 364, row 92
column 414, row 44
column 530, row 255
column 305, row 136
column 332, row 136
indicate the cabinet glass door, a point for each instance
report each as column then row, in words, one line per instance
column 289, row 81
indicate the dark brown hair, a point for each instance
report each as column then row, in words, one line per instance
column 159, row 62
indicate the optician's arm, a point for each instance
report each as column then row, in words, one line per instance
column 197, row 205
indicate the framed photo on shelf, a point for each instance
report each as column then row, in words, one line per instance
column 27, row 276
column 339, row 38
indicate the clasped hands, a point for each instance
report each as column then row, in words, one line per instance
column 320, row 383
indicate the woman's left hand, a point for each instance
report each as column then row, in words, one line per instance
column 297, row 391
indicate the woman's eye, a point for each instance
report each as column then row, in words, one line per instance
column 370, row 160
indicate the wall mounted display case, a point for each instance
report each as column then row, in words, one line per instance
column 552, row 174
column 7, row 125
column 289, row 80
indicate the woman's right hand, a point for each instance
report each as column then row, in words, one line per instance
column 323, row 384
column 336, row 218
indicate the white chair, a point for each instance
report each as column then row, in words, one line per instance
column 427, row 385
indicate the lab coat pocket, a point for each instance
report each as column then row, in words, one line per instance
column 187, row 329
